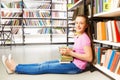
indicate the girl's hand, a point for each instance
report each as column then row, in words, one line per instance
column 65, row 51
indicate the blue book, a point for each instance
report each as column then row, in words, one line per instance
column 111, row 59
column 98, row 55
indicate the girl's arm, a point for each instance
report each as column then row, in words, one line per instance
column 87, row 56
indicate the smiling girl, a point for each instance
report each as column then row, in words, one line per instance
column 81, row 52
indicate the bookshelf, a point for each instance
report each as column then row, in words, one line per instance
column 10, row 20
column 71, row 22
column 99, row 16
column 75, row 8
column 42, row 21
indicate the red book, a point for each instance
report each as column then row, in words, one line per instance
column 76, row 1
column 116, row 34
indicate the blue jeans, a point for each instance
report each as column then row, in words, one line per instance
column 47, row 67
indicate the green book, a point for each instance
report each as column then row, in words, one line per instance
column 66, row 59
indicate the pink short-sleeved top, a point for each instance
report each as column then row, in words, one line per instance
column 79, row 43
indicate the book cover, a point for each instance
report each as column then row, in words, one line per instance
column 116, row 34
column 106, row 5
column 65, row 58
column 101, row 50
column 107, row 57
column 117, row 70
column 115, row 61
column 109, row 30
column 111, row 59
column 101, row 31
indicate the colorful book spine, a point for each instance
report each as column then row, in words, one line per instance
column 111, row 59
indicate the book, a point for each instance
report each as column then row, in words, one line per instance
column 101, row 31
column 111, row 59
column 99, row 52
column 65, row 58
column 117, row 70
column 107, row 57
column 109, row 30
column 116, row 34
column 115, row 61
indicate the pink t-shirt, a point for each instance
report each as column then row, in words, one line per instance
column 79, row 43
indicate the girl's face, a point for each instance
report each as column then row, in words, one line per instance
column 80, row 24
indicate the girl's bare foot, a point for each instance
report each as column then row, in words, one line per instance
column 9, row 64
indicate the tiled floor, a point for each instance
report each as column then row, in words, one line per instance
column 40, row 53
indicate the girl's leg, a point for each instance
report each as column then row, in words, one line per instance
column 32, row 68
column 47, row 67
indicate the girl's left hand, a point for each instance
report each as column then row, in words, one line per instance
column 66, row 51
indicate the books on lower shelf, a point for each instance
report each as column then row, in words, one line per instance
column 109, row 59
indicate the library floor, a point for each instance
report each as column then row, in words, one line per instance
column 40, row 53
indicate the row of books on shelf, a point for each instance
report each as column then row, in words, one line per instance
column 32, row 22
column 11, row 4
column 34, row 14
column 36, row 22
column 10, row 14
column 42, row 6
column 44, row 31
column 109, row 30
column 59, row 6
column 108, row 58
column 59, row 14
column 37, row 5
column 105, row 5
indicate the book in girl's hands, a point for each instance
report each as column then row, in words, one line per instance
column 65, row 58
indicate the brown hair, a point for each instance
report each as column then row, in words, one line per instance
column 88, row 32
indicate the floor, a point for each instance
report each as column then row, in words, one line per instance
column 40, row 53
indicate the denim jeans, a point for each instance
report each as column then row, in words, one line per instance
column 47, row 67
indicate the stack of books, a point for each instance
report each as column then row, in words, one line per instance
column 65, row 58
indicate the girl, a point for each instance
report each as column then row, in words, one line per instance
column 82, row 53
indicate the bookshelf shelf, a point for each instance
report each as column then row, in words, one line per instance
column 108, row 72
column 111, row 13
column 108, row 43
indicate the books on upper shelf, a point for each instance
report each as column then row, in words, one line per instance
column 109, row 30
column 65, row 58
column 17, row 4
column 105, row 5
